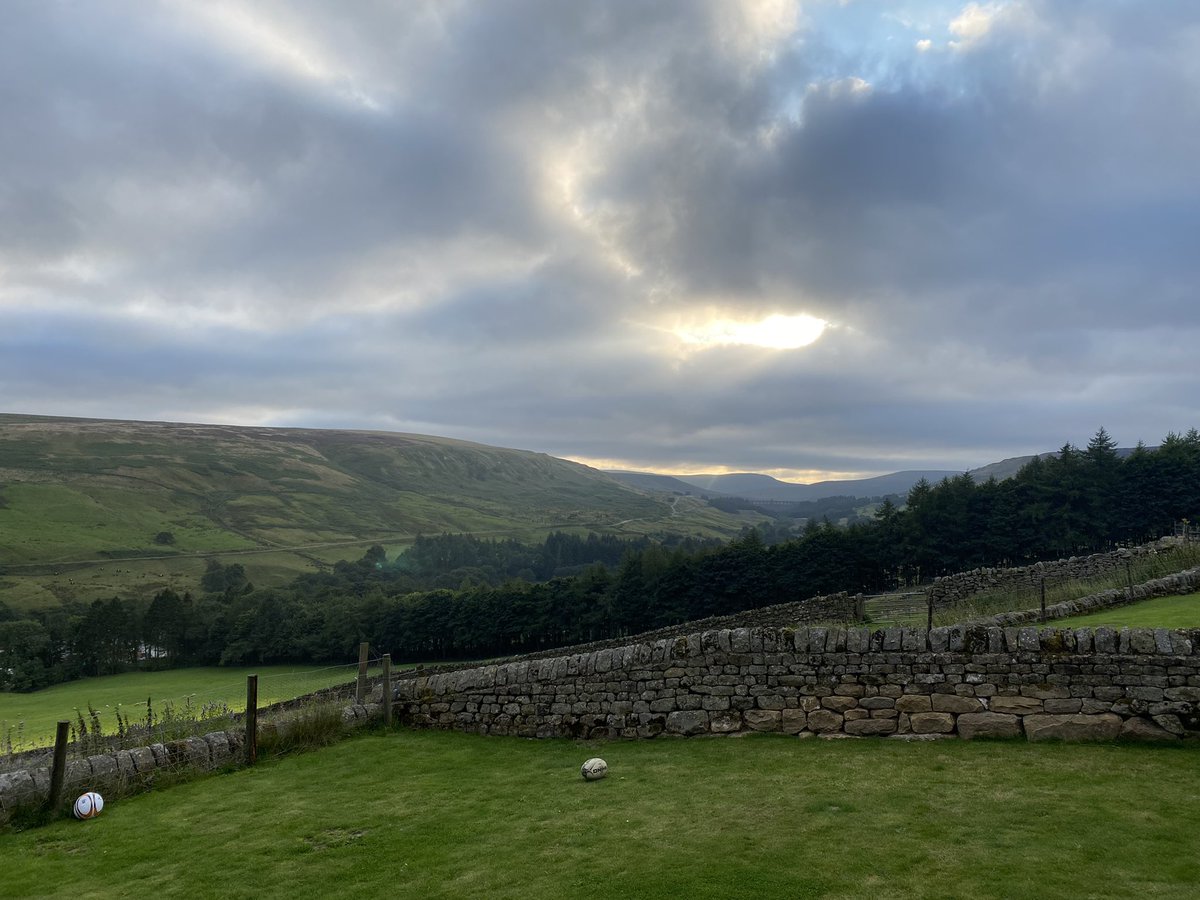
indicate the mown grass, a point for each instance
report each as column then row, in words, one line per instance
column 412, row 814
column 1160, row 612
column 29, row 719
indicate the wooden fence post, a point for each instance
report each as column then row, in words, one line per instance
column 1129, row 577
column 251, row 719
column 61, row 735
column 1043, row 619
column 361, row 687
column 929, row 614
column 387, row 689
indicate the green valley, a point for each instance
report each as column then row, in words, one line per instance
column 92, row 508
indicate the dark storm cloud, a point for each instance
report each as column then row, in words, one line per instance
column 485, row 220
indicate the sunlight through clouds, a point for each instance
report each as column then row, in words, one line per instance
column 776, row 332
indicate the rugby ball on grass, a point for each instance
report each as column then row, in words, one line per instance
column 89, row 805
column 594, row 769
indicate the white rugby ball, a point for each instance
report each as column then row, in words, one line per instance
column 594, row 769
column 89, row 805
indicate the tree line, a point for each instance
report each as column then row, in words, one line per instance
column 1077, row 501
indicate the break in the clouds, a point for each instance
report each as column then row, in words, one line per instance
column 796, row 237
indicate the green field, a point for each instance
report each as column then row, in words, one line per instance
column 430, row 814
column 82, row 502
column 1160, row 612
column 34, row 715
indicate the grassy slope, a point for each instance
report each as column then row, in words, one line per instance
column 1160, row 612
column 40, row 710
column 73, row 490
column 450, row 815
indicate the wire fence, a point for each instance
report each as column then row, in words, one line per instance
column 107, row 725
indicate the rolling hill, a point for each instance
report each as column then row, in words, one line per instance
column 98, row 505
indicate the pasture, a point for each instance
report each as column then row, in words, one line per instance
column 1159, row 612
column 436, row 814
column 40, row 710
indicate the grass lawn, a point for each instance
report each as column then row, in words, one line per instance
column 42, row 709
column 1160, row 612
column 430, row 814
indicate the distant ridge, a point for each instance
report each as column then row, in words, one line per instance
column 764, row 487
column 649, row 481
column 753, row 486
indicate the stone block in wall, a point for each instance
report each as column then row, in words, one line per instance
column 1183, row 694
column 125, row 764
column 104, row 768
column 1170, row 723
column 838, row 704
column 739, row 640
column 931, row 723
column 1141, row 640
column 143, row 760
column 874, row 703
column 952, row 703
column 1079, row 727
column 824, row 721
column 763, row 719
column 816, row 639
column 1063, row 707
column 852, row 714
column 1045, row 692
column 849, row 689
column 914, row 703
column 988, row 725
column 1139, row 729
column 78, row 773
column 1028, row 639
column 1104, row 640
column 218, row 747
column 1019, row 706
column 1011, row 639
column 1137, row 692
column 17, row 789
column 692, row 721
column 865, row 727
column 793, row 721
column 725, row 722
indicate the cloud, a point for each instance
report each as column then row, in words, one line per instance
column 487, row 221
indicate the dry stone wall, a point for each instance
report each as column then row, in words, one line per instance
column 827, row 608
column 127, row 771
column 953, row 588
column 969, row 681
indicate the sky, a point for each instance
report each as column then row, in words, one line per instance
column 810, row 239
